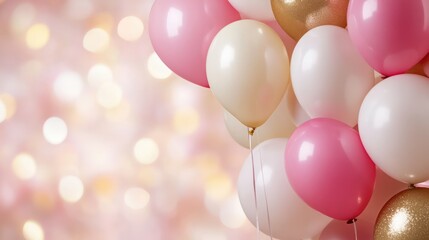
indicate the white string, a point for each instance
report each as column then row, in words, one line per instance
column 250, row 134
column 265, row 195
column 354, row 226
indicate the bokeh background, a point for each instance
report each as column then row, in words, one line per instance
column 99, row 140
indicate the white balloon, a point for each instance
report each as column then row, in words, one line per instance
column 249, row 78
column 394, row 127
column 291, row 218
column 254, row 9
column 278, row 125
column 329, row 77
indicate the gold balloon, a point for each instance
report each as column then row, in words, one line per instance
column 296, row 17
column 405, row 216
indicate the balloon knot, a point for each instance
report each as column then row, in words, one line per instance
column 251, row 131
column 351, row 221
column 411, row 186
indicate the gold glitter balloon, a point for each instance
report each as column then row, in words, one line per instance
column 296, row 17
column 405, row 216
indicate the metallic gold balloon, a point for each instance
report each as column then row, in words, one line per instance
column 405, row 216
column 296, row 17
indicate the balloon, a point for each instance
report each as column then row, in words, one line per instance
column 298, row 115
column 290, row 217
column 181, row 32
column 254, row 9
column 298, row 16
column 329, row 169
column 385, row 188
column 248, row 77
column 339, row 230
column 329, row 77
column 405, row 216
column 391, row 35
column 278, row 125
column 393, row 123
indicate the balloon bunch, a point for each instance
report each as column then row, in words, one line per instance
column 355, row 138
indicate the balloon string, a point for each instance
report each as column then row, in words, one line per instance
column 265, row 195
column 354, row 220
column 354, row 226
column 250, row 135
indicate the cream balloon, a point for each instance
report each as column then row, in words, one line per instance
column 298, row 115
column 393, row 125
column 278, row 125
column 329, row 77
column 254, row 9
column 290, row 217
column 248, row 75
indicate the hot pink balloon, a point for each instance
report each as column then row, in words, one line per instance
column 181, row 32
column 329, row 168
column 391, row 35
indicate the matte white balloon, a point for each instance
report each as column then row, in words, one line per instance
column 291, row 218
column 278, row 125
column 394, row 127
column 254, row 9
column 248, row 70
column 329, row 77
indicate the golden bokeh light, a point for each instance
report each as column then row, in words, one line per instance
column 24, row 166
column 71, row 189
column 99, row 74
column 130, row 28
column 37, row 36
column 218, row 186
column 146, row 151
column 231, row 214
column 96, row 40
column 33, row 231
column 109, row 95
column 9, row 106
column 22, row 17
column 157, row 68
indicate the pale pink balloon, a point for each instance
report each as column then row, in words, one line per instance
column 340, row 230
column 289, row 42
column 329, row 168
column 181, row 32
column 391, row 35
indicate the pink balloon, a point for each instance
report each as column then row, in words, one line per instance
column 181, row 32
column 339, row 230
column 329, row 168
column 289, row 42
column 392, row 35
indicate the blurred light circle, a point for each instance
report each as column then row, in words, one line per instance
column 157, row 68
column 37, row 36
column 55, row 130
column 146, row 151
column 33, row 231
column 71, row 189
column 96, row 40
column 99, row 74
column 24, row 166
column 130, row 28
column 68, row 86
column 136, row 198
column 109, row 95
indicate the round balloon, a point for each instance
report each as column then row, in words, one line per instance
column 393, row 123
column 254, row 9
column 329, row 169
column 405, row 216
column 329, row 77
column 290, row 217
column 248, row 77
column 298, row 16
column 391, row 35
column 279, row 125
column 181, row 32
